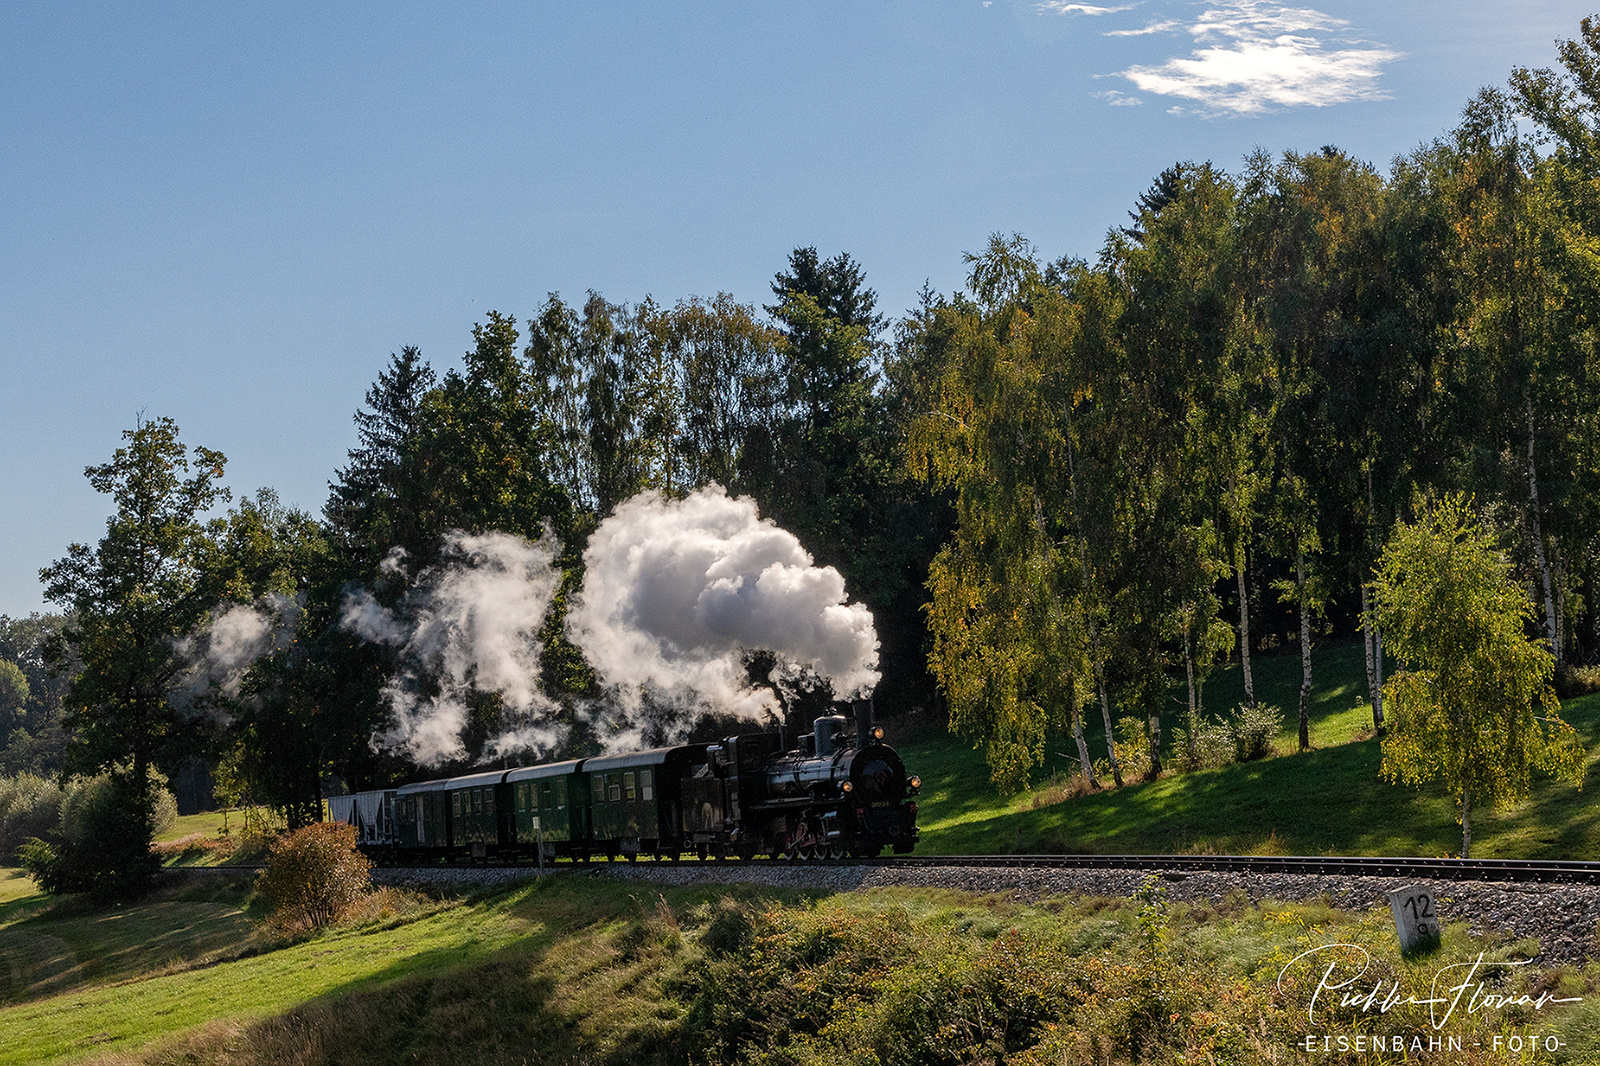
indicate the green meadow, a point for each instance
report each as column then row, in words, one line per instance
column 1331, row 800
column 582, row 968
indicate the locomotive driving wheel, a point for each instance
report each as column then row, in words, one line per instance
column 804, row 846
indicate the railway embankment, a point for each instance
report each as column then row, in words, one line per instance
column 1561, row 918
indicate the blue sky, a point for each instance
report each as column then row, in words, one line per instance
column 233, row 213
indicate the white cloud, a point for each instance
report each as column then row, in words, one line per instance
column 1254, row 57
column 1117, row 98
column 1159, row 26
column 1061, row 7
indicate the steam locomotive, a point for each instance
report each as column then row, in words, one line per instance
column 840, row 792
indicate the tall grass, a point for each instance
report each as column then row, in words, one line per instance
column 583, row 970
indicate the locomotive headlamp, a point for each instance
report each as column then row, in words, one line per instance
column 877, row 733
column 915, row 782
column 848, row 786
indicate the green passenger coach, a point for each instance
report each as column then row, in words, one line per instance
column 550, row 809
column 634, row 799
column 477, row 805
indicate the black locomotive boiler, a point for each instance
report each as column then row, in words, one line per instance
column 840, row 791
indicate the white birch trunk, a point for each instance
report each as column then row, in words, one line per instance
column 1155, row 744
column 1105, row 716
column 1084, row 762
column 1194, row 720
column 1552, row 630
column 1305, row 649
column 1369, row 644
column 1244, row 625
column 1377, row 663
column 1094, row 629
column 1371, row 637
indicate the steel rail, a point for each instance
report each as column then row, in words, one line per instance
column 1446, row 869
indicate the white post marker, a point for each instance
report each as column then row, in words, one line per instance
column 1416, row 917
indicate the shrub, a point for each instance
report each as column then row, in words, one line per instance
column 1254, row 730
column 1574, row 681
column 1213, row 746
column 30, row 806
column 1064, row 786
column 1133, row 747
column 101, row 846
column 313, row 876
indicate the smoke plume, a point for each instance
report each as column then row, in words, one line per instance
column 676, row 592
column 220, row 655
column 471, row 622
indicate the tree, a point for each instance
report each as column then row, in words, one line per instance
column 13, row 693
column 729, row 372
column 1010, row 629
column 32, row 730
column 1566, row 194
column 131, row 599
column 380, row 499
column 1472, row 705
column 1182, row 369
column 504, row 442
column 273, row 564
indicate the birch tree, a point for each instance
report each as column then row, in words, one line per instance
column 1472, row 706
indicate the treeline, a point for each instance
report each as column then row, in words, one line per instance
column 225, row 640
column 1241, row 397
column 1056, row 490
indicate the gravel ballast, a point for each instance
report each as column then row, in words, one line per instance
column 1561, row 917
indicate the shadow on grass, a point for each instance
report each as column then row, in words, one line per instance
column 550, row 997
column 1331, row 800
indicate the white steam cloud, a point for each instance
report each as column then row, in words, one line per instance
column 676, row 592
column 220, row 655
column 470, row 623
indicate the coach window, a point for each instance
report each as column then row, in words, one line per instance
column 627, row 787
column 599, row 789
column 647, row 785
column 455, row 804
column 614, row 787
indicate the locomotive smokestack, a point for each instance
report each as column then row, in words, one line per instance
column 862, row 709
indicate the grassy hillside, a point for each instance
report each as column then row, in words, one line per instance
column 580, row 968
column 1330, row 800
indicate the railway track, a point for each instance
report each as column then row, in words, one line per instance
column 1519, row 870
column 1491, row 870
